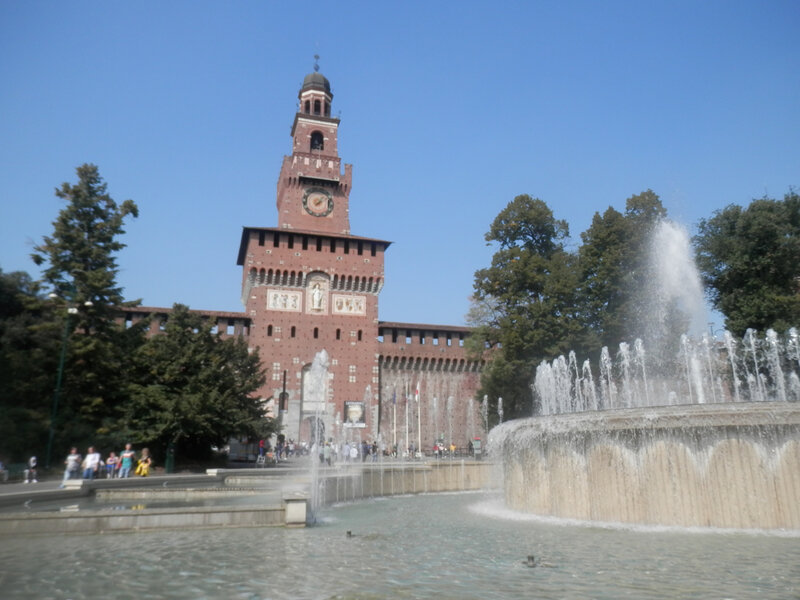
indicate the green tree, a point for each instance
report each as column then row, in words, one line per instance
column 28, row 354
column 615, row 269
column 193, row 389
column 79, row 260
column 525, row 306
column 750, row 260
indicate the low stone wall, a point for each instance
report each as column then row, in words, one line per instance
column 366, row 481
column 719, row 465
column 280, row 497
column 93, row 522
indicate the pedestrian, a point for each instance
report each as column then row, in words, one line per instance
column 30, row 473
column 73, row 466
column 112, row 463
column 261, row 449
column 91, row 464
column 346, row 452
column 126, row 459
column 326, row 453
column 143, row 468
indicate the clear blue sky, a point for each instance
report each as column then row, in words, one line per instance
column 449, row 110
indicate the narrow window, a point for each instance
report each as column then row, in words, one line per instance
column 305, row 242
column 338, row 334
column 269, row 330
column 276, row 240
column 359, row 335
column 293, row 331
column 317, row 107
column 260, row 238
column 319, row 244
column 316, row 332
column 230, row 329
column 308, row 107
column 327, row 108
column 317, row 141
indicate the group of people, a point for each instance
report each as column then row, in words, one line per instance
column 92, row 465
column 330, row 452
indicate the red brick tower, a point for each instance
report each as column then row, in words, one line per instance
column 308, row 286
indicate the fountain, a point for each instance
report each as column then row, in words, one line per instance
column 707, row 434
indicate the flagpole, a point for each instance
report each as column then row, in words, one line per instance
column 406, row 440
column 394, row 419
column 419, row 422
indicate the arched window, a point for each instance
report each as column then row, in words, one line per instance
column 308, row 107
column 317, row 107
column 294, row 331
column 269, row 330
column 317, row 142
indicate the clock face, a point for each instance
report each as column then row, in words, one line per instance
column 318, row 202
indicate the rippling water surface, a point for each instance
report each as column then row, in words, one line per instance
column 446, row 546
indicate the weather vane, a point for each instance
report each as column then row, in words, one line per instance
column 316, row 63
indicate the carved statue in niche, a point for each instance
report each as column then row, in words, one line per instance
column 317, row 294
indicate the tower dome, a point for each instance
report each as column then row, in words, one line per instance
column 316, row 81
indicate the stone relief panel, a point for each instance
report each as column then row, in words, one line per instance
column 283, row 300
column 349, row 305
column 317, row 288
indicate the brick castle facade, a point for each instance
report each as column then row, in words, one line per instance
column 310, row 291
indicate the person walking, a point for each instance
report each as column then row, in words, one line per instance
column 126, row 459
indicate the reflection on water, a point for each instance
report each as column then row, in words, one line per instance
column 445, row 546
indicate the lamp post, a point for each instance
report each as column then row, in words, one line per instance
column 71, row 310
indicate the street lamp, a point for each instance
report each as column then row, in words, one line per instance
column 71, row 310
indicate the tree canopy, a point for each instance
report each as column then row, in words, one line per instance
column 538, row 300
column 184, row 385
column 530, row 291
column 750, row 260
column 193, row 387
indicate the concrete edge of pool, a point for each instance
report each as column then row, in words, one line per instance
column 287, row 504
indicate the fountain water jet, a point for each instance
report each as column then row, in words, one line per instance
column 678, row 439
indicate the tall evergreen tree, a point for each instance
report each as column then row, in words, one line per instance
column 81, row 269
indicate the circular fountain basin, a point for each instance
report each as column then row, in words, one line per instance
column 721, row 465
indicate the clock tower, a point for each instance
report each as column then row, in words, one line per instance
column 313, row 190
column 310, row 288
